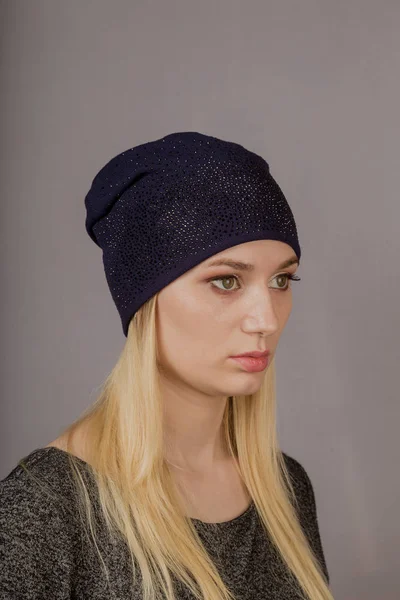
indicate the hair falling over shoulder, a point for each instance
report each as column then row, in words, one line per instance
column 138, row 497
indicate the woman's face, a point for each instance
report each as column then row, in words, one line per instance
column 211, row 313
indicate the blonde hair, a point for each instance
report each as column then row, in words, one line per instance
column 124, row 445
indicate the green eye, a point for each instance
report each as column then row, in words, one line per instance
column 225, row 278
column 288, row 277
column 233, row 276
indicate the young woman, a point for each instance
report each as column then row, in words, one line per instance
column 172, row 484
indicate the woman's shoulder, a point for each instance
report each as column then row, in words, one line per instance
column 306, row 507
column 38, row 489
column 38, row 525
column 298, row 474
column 45, row 470
column 303, row 489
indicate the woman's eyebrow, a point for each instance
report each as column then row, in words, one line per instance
column 243, row 266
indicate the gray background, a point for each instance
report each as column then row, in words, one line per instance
column 313, row 86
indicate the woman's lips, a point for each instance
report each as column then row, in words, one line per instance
column 252, row 364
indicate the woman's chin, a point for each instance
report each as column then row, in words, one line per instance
column 245, row 388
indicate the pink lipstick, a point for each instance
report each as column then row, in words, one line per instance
column 253, row 361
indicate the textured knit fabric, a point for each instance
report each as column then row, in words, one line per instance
column 44, row 554
column 161, row 208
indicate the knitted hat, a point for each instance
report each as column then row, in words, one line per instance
column 160, row 208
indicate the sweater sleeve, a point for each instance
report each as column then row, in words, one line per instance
column 36, row 544
column 313, row 527
column 308, row 509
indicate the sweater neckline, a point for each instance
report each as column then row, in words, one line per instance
column 38, row 452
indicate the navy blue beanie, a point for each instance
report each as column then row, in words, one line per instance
column 160, row 208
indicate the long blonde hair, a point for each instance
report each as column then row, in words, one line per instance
column 124, row 445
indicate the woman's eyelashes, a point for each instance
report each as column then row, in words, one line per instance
column 234, row 276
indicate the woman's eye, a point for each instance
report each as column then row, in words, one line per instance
column 286, row 277
column 235, row 278
column 229, row 278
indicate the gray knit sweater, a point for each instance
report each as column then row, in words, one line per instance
column 45, row 555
